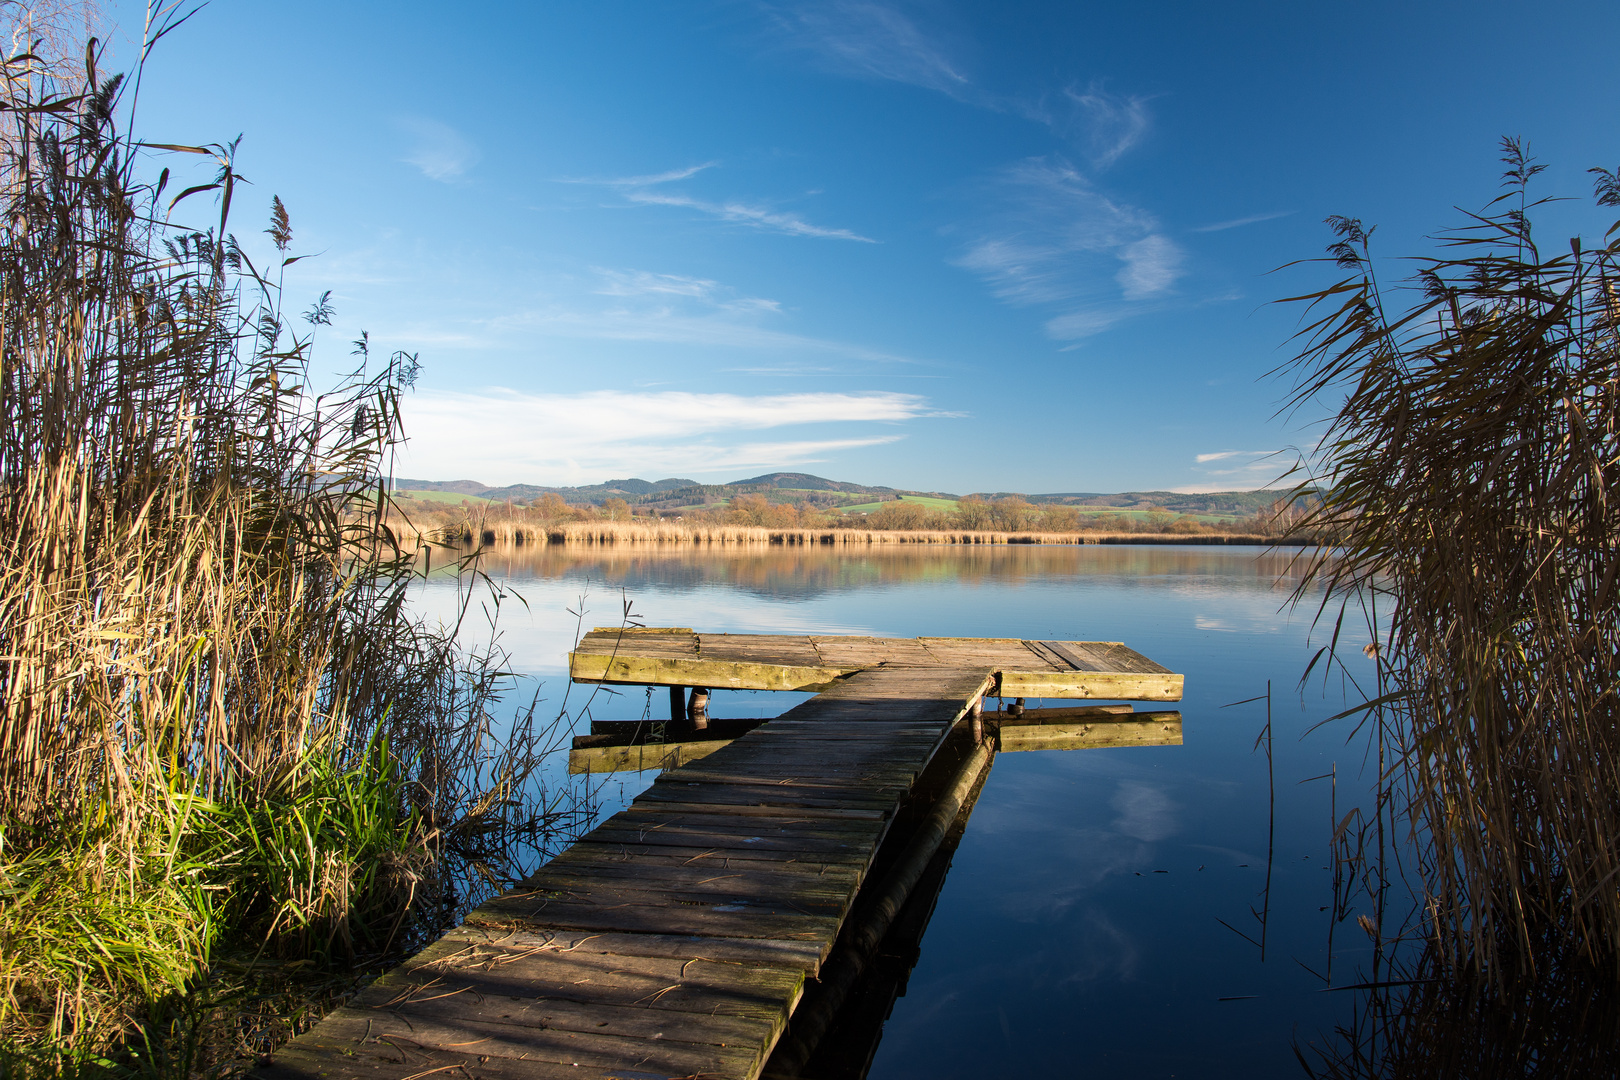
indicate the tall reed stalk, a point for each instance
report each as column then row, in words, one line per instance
column 1469, row 466
column 217, row 714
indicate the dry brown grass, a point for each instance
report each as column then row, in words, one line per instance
column 1469, row 474
column 218, row 719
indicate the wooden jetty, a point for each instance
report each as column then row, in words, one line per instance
column 677, row 938
column 1023, row 669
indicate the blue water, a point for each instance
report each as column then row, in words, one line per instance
column 1080, row 930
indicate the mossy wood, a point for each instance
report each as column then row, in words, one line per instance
column 1027, row 669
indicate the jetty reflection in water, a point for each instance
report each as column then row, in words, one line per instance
column 1080, row 930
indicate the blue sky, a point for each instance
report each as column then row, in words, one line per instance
column 1015, row 246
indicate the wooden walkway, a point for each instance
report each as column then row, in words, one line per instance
column 676, row 939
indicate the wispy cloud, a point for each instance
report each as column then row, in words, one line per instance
column 743, row 214
column 502, row 436
column 1152, row 265
column 1107, row 124
column 642, row 283
column 1238, row 223
column 1056, row 240
column 440, row 151
column 650, row 180
column 1237, row 470
column 678, row 309
column 870, row 40
column 645, row 191
column 866, row 39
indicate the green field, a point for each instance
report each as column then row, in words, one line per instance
column 454, row 498
column 873, row 507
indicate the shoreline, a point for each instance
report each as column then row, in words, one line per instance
column 581, row 533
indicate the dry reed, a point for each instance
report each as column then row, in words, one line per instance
column 207, row 665
column 1468, row 474
column 474, row 530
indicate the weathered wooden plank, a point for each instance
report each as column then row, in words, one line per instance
column 778, row 920
column 1079, row 656
column 854, row 653
column 687, row 876
column 820, row 847
column 553, row 1031
column 607, row 759
column 784, row 650
column 726, row 854
column 802, row 895
column 787, row 772
column 809, row 748
column 397, row 1057
column 1122, row 686
column 837, row 730
column 802, row 956
column 701, row 984
column 773, row 800
column 652, row 819
column 1127, row 658
column 672, row 671
column 317, row 1057
column 643, row 642
column 1050, row 658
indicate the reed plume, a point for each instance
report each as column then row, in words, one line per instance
column 1467, row 474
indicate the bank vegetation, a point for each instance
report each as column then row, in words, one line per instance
column 753, row 520
column 234, row 768
column 1470, row 467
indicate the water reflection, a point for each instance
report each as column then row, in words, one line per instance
column 798, row 573
column 1561, row 1021
column 1078, row 932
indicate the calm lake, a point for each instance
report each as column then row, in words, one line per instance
column 1098, row 914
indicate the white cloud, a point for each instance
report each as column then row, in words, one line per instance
column 1057, row 240
column 1107, row 124
column 678, row 309
column 1115, row 123
column 743, row 214
column 640, row 191
column 1238, row 470
column 870, row 40
column 1238, row 223
column 503, row 436
column 652, row 179
column 644, row 283
column 1152, row 265
column 438, row 150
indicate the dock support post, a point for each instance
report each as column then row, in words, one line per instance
column 677, row 707
column 697, row 710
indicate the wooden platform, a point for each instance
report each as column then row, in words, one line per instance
column 1026, row 669
column 676, row 938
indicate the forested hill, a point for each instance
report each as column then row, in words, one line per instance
column 676, row 493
